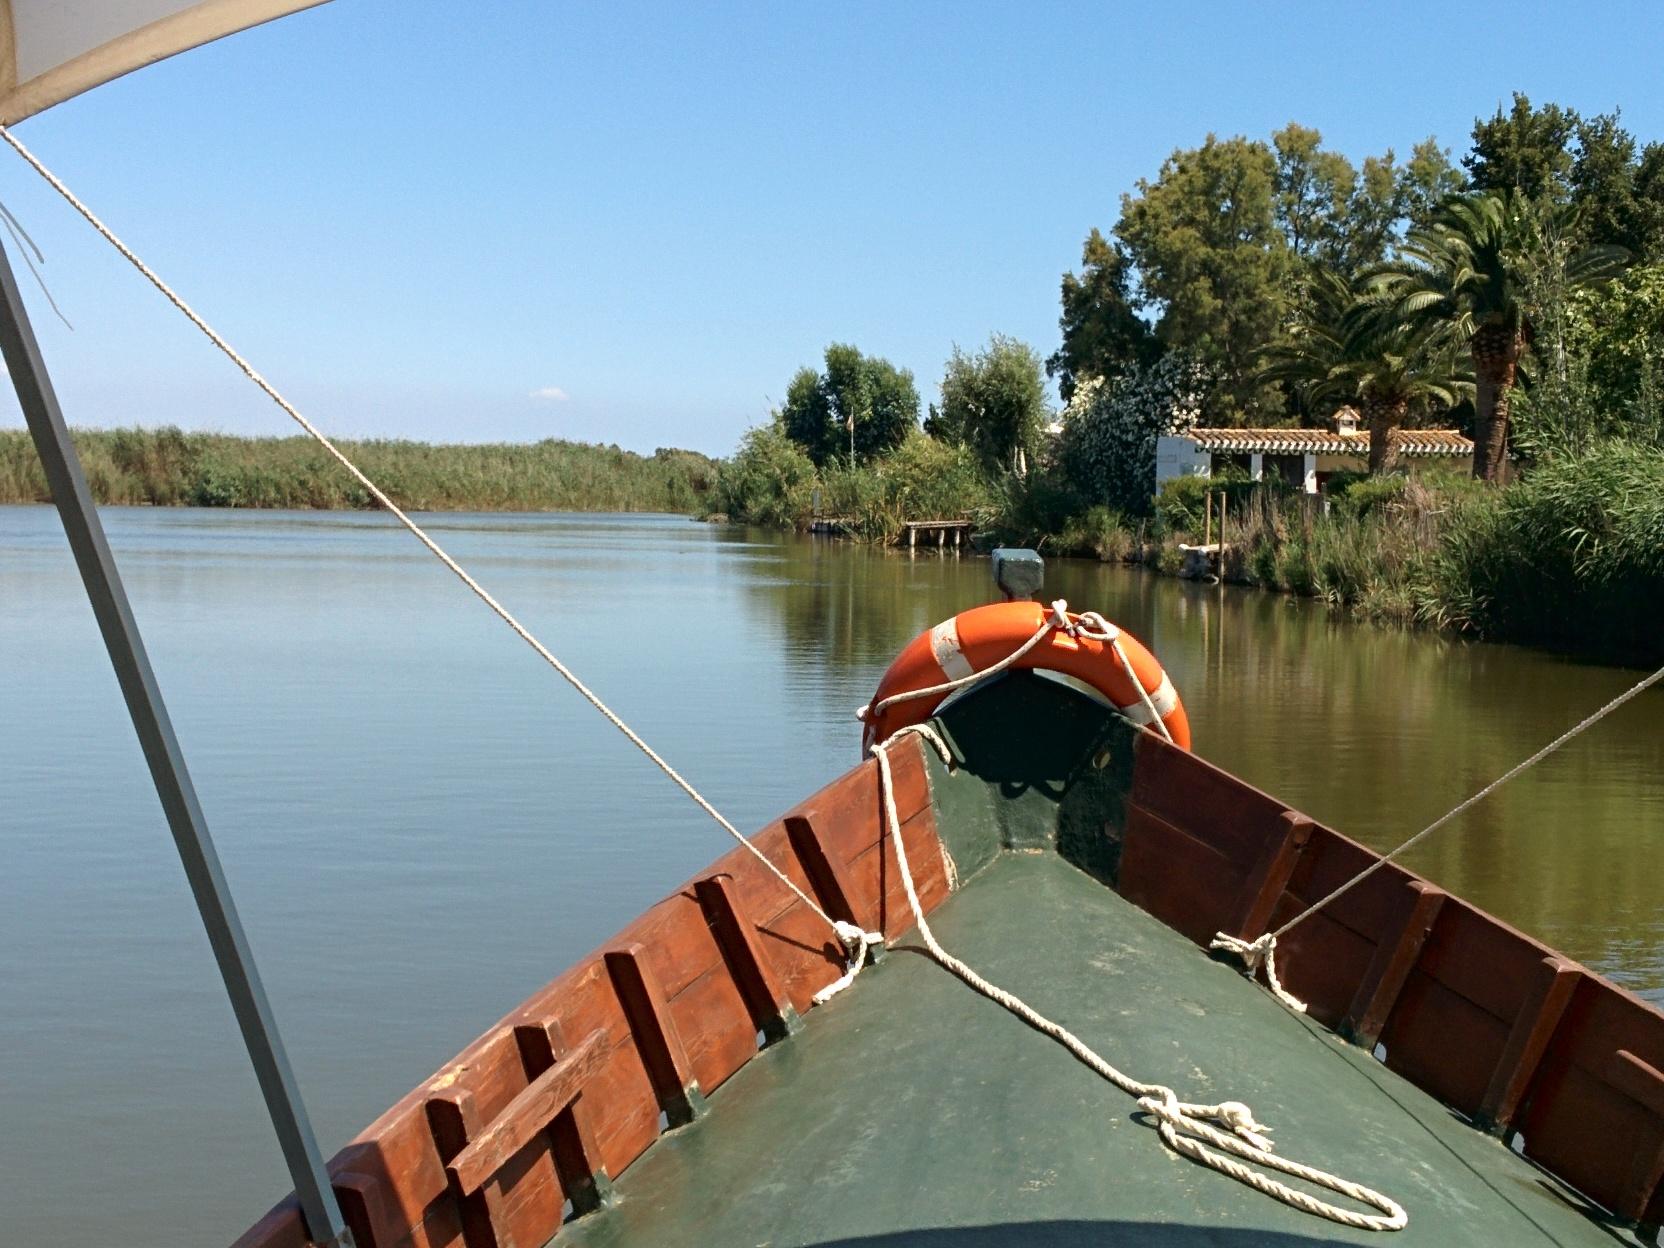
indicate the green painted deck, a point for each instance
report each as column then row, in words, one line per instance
column 913, row 1113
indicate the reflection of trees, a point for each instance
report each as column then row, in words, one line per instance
column 855, row 606
column 1375, row 731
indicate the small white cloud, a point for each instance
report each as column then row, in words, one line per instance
column 549, row 394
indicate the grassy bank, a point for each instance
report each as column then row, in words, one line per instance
column 1570, row 557
column 168, row 467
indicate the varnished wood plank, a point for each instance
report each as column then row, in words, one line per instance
column 454, row 1118
column 1395, row 957
column 1528, row 1040
column 572, row 1141
column 662, row 1051
column 525, row 1116
column 754, row 972
column 1269, row 879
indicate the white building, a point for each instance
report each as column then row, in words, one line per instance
column 1305, row 458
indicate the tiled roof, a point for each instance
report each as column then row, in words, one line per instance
column 1327, row 441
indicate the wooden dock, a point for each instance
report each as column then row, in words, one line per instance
column 946, row 532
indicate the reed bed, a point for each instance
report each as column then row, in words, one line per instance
column 169, row 467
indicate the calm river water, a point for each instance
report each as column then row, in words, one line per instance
column 423, row 823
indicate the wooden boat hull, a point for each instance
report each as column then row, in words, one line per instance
column 535, row 1121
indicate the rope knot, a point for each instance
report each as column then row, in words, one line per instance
column 1237, row 1118
column 1252, row 952
column 856, row 940
column 1255, row 954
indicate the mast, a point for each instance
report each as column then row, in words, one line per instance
column 209, row 887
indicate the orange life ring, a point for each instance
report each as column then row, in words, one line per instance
column 977, row 639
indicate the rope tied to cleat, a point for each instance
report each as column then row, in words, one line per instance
column 1261, row 952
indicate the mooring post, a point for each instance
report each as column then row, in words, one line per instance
column 324, row 1224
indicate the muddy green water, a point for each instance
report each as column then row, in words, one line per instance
column 423, row 824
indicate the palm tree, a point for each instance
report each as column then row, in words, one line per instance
column 1347, row 348
column 1471, row 270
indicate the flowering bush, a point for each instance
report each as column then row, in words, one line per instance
column 1108, row 445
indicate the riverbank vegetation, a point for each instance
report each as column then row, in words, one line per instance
column 1515, row 295
column 167, row 467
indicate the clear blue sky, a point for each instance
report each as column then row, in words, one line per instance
column 436, row 219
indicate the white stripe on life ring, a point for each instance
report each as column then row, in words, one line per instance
column 1164, row 699
column 944, row 645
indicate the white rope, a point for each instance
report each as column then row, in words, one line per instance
column 854, row 940
column 1091, row 624
column 1185, row 1127
column 1262, row 951
column 1056, row 620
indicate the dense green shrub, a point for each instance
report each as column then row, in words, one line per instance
column 769, row 481
column 1571, row 555
column 1363, row 494
column 1181, row 502
column 1097, row 533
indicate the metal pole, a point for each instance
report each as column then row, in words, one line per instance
column 167, row 766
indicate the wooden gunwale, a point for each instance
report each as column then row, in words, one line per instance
column 1505, row 1031
column 697, row 997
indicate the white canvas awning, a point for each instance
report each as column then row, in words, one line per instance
column 53, row 49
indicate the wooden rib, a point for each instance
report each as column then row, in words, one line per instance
column 364, row 1206
column 571, row 1132
column 827, row 876
column 662, row 1052
column 1391, row 966
column 1269, row 879
column 1638, row 1080
column 525, row 1117
column 1528, row 1040
column 771, row 1007
column 1643, row 1084
column 454, row 1119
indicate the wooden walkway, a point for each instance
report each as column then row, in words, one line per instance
column 946, row 532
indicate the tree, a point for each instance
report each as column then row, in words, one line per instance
column 1314, row 194
column 1473, row 269
column 806, row 416
column 1525, row 150
column 1102, row 335
column 1352, row 349
column 1338, row 217
column 1211, row 259
column 859, row 408
column 1618, row 334
column 995, row 403
column 1649, row 204
column 1602, row 180
column 1427, row 180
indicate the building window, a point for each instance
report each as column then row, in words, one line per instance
column 1291, row 469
